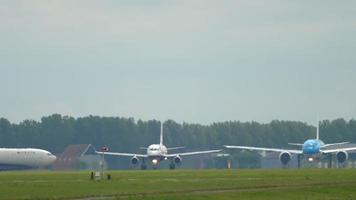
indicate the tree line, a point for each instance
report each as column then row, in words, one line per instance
column 55, row 132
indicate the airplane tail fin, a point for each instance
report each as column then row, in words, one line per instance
column 335, row 144
column 161, row 136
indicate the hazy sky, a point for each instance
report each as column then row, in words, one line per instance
column 187, row 60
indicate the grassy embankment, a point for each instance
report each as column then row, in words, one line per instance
column 183, row 184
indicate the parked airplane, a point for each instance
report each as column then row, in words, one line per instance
column 311, row 150
column 24, row 158
column 157, row 153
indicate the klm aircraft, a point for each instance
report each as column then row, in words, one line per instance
column 311, row 149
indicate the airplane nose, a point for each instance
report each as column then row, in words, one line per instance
column 53, row 158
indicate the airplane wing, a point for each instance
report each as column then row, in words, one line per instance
column 338, row 149
column 122, row 154
column 263, row 149
column 192, row 153
column 296, row 144
column 175, row 148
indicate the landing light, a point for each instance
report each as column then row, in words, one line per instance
column 165, row 158
column 310, row 159
column 154, row 161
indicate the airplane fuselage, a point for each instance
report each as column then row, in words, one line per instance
column 312, row 147
column 156, row 150
column 156, row 153
column 24, row 158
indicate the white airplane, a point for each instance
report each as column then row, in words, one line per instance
column 24, row 158
column 157, row 153
column 311, row 149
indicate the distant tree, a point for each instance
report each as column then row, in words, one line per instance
column 55, row 132
column 6, row 133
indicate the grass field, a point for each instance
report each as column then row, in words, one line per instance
column 182, row 184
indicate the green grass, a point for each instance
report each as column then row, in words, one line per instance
column 183, row 184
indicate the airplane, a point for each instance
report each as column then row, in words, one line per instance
column 311, row 149
column 24, row 158
column 156, row 153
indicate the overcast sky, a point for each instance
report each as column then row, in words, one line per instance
column 198, row 61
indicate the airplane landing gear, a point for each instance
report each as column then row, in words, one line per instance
column 330, row 161
column 300, row 157
column 172, row 166
column 143, row 165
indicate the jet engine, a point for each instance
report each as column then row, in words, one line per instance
column 178, row 160
column 134, row 160
column 285, row 157
column 342, row 156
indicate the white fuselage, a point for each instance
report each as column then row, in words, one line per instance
column 31, row 158
column 156, row 153
column 156, row 150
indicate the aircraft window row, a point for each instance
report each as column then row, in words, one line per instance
column 65, row 159
column 25, row 152
column 311, row 144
